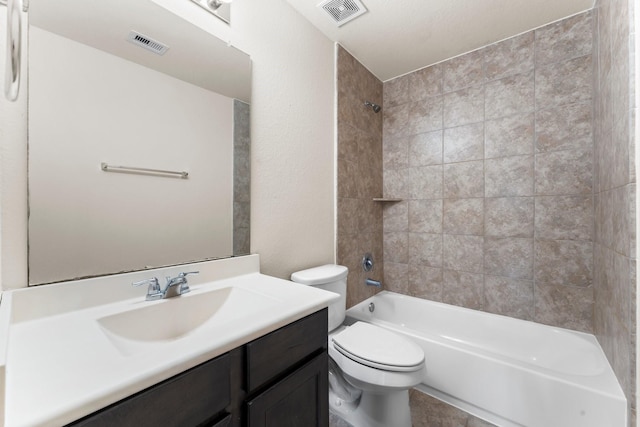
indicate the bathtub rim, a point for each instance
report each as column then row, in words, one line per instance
column 605, row 382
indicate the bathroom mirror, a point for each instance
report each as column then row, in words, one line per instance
column 129, row 83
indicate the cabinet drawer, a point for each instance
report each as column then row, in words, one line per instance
column 188, row 399
column 273, row 354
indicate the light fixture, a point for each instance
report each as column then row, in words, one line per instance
column 215, row 7
column 215, row 4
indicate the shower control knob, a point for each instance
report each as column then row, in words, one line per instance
column 367, row 262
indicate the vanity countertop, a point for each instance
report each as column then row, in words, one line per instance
column 75, row 347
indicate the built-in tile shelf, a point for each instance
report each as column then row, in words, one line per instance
column 386, row 200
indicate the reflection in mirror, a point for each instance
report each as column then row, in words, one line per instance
column 219, row 8
column 95, row 97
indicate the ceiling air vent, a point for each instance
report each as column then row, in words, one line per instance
column 343, row 11
column 147, row 43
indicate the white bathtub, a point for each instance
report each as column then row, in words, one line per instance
column 507, row 371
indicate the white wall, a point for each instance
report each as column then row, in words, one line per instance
column 292, row 140
column 87, row 107
column 292, row 113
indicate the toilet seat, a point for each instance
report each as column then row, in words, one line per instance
column 378, row 348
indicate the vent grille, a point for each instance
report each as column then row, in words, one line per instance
column 343, row 11
column 147, row 43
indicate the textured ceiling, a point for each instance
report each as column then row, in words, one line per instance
column 396, row 37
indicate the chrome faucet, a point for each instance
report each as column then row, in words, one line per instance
column 175, row 286
column 371, row 282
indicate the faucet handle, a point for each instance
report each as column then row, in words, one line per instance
column 184, row 287
column 186, row 273
column 153, row 291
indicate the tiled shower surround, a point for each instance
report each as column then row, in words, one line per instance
column 615, row 190
column 515, row 166
column 492, row 152
column 359, row 175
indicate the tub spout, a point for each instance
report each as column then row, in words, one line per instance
column 371, row 282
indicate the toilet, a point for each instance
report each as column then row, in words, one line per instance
column 371, row 369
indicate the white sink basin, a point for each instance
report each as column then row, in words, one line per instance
column 159, row 322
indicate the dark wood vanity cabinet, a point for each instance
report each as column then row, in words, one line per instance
column 287, row 376
column 278, row 380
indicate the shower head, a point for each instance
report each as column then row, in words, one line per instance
column 375, row 107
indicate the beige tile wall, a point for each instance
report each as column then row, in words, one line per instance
column 359, row 175
column 614, row 189
column 492, row 152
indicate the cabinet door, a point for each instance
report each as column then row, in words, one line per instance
column 300, row 399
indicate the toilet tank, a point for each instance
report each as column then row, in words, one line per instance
column 330, row 277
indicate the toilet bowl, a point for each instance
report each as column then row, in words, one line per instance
column 371, row 369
